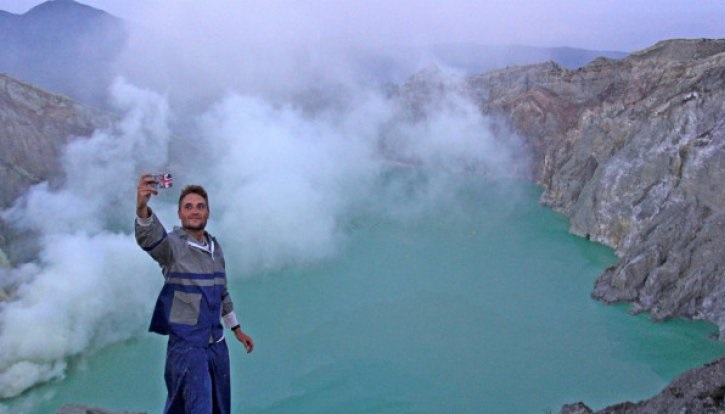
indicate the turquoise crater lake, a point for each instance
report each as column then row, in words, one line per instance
column 478, row 307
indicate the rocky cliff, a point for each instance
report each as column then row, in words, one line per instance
column 34, row 127
column 633, row 151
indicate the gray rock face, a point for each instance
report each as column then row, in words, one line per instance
column 34, row 127
column 633, row 151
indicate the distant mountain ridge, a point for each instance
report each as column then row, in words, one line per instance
column 62, row 46
column 477, row 58
column 396, row 63
column 70, row 48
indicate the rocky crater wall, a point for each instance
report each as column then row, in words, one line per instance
column 34, row 127
column 633, row 151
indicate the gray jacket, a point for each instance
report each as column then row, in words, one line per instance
column 194, row 296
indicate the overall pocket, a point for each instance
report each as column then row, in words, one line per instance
column 185, row 308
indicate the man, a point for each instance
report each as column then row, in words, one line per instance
column 192, row 302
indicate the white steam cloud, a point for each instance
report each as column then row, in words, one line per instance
column 89, row 286
column 287, row 161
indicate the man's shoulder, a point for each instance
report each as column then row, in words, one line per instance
column 178, row 235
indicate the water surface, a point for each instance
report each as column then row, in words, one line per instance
column 479, row 308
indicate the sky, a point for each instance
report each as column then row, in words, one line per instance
column 621, row 25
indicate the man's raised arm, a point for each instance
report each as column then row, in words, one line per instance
column 150, row 233
column 143, row 194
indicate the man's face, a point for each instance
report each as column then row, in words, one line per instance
column 193, row 212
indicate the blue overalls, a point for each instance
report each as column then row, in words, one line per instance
column 189, row 309
column 197, row 378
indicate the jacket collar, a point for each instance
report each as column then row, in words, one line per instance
column 193, row 242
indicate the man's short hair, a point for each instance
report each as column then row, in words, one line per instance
column 193, row 189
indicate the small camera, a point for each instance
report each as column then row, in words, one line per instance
column 163, row 181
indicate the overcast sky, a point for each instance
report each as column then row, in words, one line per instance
column 624, row 25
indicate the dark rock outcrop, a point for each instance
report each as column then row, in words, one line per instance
column 701, row 391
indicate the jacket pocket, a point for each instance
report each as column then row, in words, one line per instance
column 185, row 308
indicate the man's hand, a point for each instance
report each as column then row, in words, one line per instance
column 143, row 194
column 245, row 339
